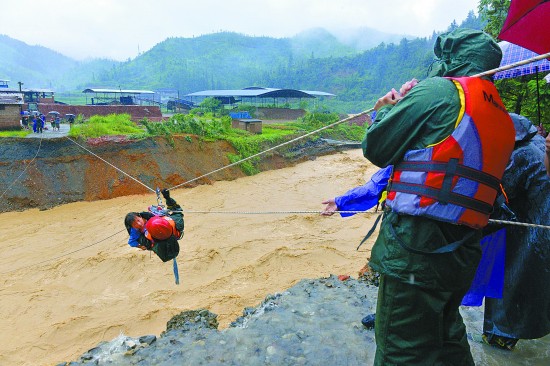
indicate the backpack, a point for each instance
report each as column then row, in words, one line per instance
column 166, row 249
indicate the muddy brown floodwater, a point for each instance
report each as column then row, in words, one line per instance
column 70, row 281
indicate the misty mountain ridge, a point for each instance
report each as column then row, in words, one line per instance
column 40, row 67
column 342, row 63
column 365, row 38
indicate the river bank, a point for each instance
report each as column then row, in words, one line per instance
column 48, row 170
column 70, row 280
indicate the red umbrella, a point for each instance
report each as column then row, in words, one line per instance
column 527, row 25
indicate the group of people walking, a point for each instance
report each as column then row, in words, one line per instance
column 38, row 122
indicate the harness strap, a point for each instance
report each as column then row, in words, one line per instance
column 454, row 198
column 176, row 274
column 369, row 234
column 461, row 170
column 445, row 249
column 447, row 185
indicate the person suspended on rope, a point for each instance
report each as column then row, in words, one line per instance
column 157, row 229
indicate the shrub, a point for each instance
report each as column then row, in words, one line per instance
column 112, row 124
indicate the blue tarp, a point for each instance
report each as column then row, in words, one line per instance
column 240, row 115
column 489, row 278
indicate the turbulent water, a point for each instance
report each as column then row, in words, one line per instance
column 70, row 281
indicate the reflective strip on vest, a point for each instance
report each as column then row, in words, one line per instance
column 456, row 180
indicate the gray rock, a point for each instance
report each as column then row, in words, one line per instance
column 316, row 322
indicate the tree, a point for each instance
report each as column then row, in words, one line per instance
column 519, row 95
column 210, row 105
column 452, row 27
column 472, row 21
column 494, row 12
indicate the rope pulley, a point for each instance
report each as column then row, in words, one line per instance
column 158, row 209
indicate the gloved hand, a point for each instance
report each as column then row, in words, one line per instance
column 170, row 202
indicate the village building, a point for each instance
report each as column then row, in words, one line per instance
column 10, row 110
column 243, row 121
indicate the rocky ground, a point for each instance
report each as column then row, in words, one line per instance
column 316, row 322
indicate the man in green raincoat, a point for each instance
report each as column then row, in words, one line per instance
column 417, row 316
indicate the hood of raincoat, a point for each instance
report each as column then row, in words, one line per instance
column 465, row 52
column 525, row 130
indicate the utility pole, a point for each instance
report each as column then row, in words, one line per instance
column 20, row 91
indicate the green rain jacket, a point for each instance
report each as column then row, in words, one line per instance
column 426, row 116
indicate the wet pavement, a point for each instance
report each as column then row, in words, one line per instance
column 49, row 133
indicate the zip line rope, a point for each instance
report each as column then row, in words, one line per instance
column 515, row 64
column 275, row 147
column 489, row 72
column 24, row 170
column 65, row 254
column 491, row 221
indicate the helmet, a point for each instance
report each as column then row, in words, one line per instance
column 159, row 227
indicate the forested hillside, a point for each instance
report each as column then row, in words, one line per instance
column 42, row 68
column 220, row 61
column 312, row 60
column 362, row 78
column 32, row 65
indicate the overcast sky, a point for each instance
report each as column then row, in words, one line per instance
column 117, row 29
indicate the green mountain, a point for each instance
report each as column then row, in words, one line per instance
column 36, row 66
column 214, row 61
column 360, row 78
column 343, row 64
column 219, row 61
column 43, row 68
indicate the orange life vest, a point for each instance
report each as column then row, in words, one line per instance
column 457, row 179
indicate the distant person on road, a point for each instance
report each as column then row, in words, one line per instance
column 57, row 123
column 42, row 122
column 157, row 232
column 37, row 121
column 25, row 122
column 70, row 118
